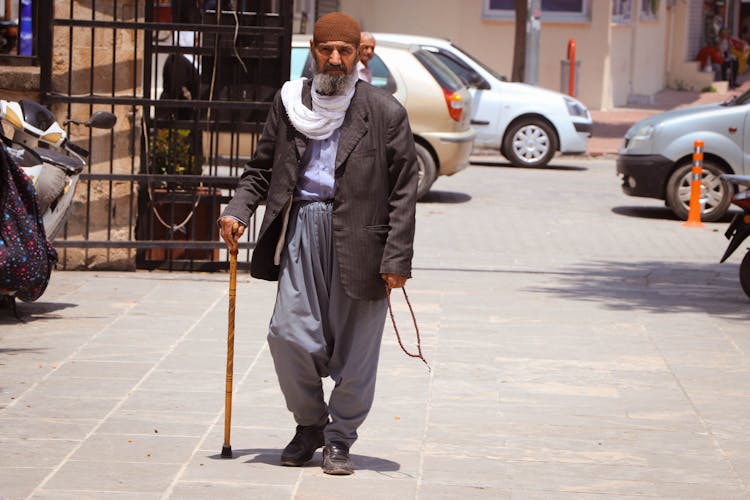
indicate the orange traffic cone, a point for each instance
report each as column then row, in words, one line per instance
column 694, row 213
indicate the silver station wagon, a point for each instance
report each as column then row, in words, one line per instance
column 655, row 160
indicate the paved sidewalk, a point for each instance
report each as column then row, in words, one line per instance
column 584, row 346
column 610, row 125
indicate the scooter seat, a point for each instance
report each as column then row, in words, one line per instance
column 71, row 165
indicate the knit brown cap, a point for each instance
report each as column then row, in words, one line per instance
column 336, row 27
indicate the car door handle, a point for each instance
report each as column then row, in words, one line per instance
column 480, row 122
column 732, row 130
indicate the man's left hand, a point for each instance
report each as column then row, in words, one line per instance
column 394, row 280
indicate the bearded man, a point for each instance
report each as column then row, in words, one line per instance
column 337, row 167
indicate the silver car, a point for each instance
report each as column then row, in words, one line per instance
column 656, row 159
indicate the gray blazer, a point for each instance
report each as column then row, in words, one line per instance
column 375, row 190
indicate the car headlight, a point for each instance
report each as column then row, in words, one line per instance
column 575, row 108
column 641, row 136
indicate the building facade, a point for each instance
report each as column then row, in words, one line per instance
column 628, row 49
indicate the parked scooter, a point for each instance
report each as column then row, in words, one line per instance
column 54, row 172
column 739, row 229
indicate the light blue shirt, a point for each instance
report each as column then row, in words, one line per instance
column 316, row 181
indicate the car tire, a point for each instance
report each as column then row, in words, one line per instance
column 716, row 193
column 530, row 142
column 427, row 170
column 745, row 274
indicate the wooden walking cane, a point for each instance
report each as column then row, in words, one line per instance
column 226, row 450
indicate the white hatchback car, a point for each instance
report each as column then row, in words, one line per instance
column 527, row 124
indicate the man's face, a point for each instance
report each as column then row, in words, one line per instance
column 334, row 58
column 366, row 50
column 333, row 67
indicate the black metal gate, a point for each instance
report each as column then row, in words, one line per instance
column 191, row 87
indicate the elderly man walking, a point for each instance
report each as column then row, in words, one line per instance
column 337, row 167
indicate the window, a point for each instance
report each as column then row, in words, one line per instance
column 470, row 77
column 649, row 9
column 381, row 77
column 621, row 10
column 440, row 72
column 552, row 10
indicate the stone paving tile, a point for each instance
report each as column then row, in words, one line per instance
column 130, row 477
column 263, row 416
column 36, row 453
column 473, row 471
column 25, row 427
column 38, row 406
column 82, row 387
column 19, row 482
column 317, row 485
column 174, row 402
column 148, row 422
column 103, row 370
column 101, row 352
column 182, row 381
column 441, row 491
column 47, row 494
column 149, row 448
column 193, row 490
column 182, row 358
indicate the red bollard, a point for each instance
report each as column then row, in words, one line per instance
column 694, row 213
column 572, row 72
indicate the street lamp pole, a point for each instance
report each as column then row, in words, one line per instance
column 533, row 27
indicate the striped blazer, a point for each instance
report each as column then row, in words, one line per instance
column 374, row 203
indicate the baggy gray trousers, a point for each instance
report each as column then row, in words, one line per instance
column 317, row 330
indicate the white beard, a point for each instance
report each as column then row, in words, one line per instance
column 331, row 85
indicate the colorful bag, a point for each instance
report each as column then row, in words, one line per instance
column 26, row 257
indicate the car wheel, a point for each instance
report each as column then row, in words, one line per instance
column 427, row 170
column 745, row 274
column 716, row 193
column 530, row 142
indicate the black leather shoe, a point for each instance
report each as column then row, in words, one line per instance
column 302, row 447
column 336, row 460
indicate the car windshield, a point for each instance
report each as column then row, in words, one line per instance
column 444, row 76
column 739, row 100
column 480, row 63
column 299, row 63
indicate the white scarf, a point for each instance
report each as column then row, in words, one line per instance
column 326, row 116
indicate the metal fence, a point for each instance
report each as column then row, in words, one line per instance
column 191, row 88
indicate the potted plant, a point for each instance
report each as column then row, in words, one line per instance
column 178, row 211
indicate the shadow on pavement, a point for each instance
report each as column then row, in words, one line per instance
column 444, row 197
column 662, row 213
column 655, row 286
column 610, row 130
column 32, row 311
column 271, row 456
column 505, row 164
column 21, row 350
